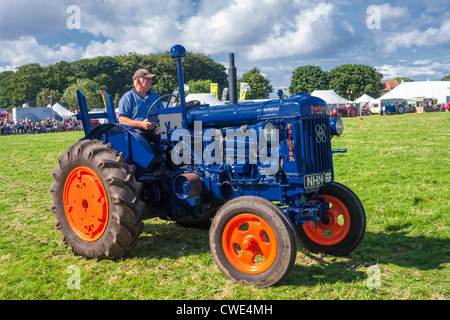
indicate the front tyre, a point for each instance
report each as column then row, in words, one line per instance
column 343, row 228
column 253, row 242
column 96, row 201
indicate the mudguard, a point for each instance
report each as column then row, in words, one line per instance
column 136, row 149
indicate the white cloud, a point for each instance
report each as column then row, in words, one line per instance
column 234, row 24
column 27, row 50
column 287, row 33
column 418, row 69
column 315, row 31
column 417, row 38
column 392, row 17
column 255, row 27
column 258, row 28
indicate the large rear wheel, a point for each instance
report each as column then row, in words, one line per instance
column 96, row 201
column 253, row 242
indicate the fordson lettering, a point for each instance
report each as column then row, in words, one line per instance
column 290, row 140
column 318, row 109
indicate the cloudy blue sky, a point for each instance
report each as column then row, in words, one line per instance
column 399, row 38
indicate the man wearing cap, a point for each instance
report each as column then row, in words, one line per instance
column 134, row 106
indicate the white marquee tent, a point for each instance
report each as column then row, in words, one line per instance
column 330, row 97
column 420, row 90
column 363, row 99
column 63, row 112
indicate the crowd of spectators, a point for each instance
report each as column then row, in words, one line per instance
column 25, row 126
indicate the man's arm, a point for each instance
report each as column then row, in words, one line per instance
column 146, row 125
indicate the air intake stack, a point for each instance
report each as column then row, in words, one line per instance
column 232, row 78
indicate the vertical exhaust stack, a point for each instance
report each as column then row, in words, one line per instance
column 232, row 78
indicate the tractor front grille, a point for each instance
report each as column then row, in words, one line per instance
column 315, row 144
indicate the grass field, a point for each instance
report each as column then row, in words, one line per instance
column 398, row 165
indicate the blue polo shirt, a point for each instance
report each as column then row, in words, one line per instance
column 135, row 106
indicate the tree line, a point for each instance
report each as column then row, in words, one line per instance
column 34, row 84
column 350, row 81
column 40, row 86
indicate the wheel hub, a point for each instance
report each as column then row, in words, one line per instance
column 86, row 204
column 250, row 244
column 333, row 226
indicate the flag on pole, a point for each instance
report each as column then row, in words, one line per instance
column 215, row 90
column 244, row 89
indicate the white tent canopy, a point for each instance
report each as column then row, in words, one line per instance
column 330, row 97
column 364, row 98
column 204, row 98
column 421, row 89
column 63, row 112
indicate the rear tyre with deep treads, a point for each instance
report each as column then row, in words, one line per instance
column 96, row 201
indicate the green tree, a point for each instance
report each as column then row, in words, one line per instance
column 446, row 78
column 202, row 67
column 106, row 71
column 5, row 89
column 25, row 84
column 195, row 66
column 199, row 86
column 43, row 98
column 260, row 87
column 59, row 76
column 403, row 79
column 165, row 68
column 89, row 89
column 353, row 80
column 113, row 74
column 307, row 79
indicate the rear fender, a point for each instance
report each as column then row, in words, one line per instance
column 136, row 149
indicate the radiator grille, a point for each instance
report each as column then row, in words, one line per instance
column 315, row 144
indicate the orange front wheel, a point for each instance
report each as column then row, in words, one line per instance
column 249, row 243
column 333, row 228
column 253, row 242
column 343, row 227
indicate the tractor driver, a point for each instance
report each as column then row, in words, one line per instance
column 135, row 104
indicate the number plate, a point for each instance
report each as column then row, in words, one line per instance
column 317, row 180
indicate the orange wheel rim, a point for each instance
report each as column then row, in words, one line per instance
column 335, row 230
column 86, row 204
column 249, row 244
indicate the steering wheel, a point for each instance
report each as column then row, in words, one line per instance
column 160, row 99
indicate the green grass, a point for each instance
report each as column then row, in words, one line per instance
column 398, row 165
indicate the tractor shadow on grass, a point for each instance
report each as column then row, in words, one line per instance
column 170, row 241
column 396, row 248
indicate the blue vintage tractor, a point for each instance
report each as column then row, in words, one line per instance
column 259, row 175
